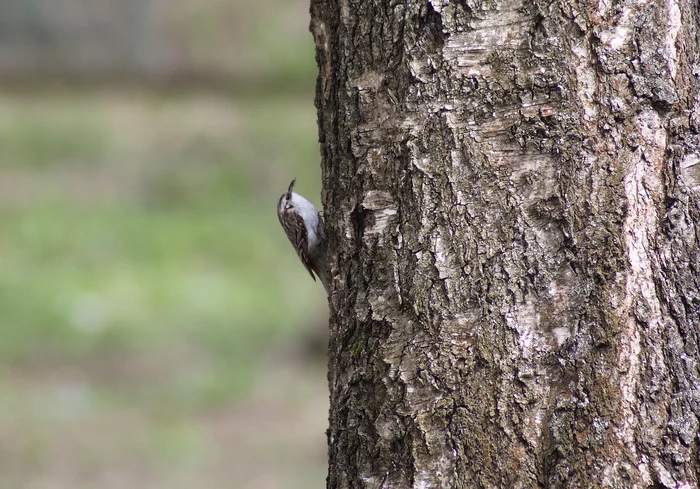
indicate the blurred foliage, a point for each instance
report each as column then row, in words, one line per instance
column 141, row 253
column 154, row 245
column 147, row 290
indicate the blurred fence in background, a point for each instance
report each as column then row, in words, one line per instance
column 93, row 37
column 214, row 42
column 153, row 314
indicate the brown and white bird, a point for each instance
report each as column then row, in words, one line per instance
column 304, row 227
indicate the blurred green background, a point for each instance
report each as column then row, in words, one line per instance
column 157, row 328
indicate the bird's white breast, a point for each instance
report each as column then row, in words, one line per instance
column 310, row 215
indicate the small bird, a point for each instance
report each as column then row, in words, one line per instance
column 304, row 227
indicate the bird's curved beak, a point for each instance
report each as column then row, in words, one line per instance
column 289, row 190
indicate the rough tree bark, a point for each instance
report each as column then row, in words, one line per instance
column 512, row 198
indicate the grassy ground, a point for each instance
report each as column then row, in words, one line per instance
column 149, row 302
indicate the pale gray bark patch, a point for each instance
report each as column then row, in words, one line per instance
column 513, row 211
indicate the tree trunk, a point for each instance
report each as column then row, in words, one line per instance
column 512, row 198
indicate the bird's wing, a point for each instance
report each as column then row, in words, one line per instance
column 299, row 238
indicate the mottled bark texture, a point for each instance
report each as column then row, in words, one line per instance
column 512, row 195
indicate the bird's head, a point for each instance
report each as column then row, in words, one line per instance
column 286, row 201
